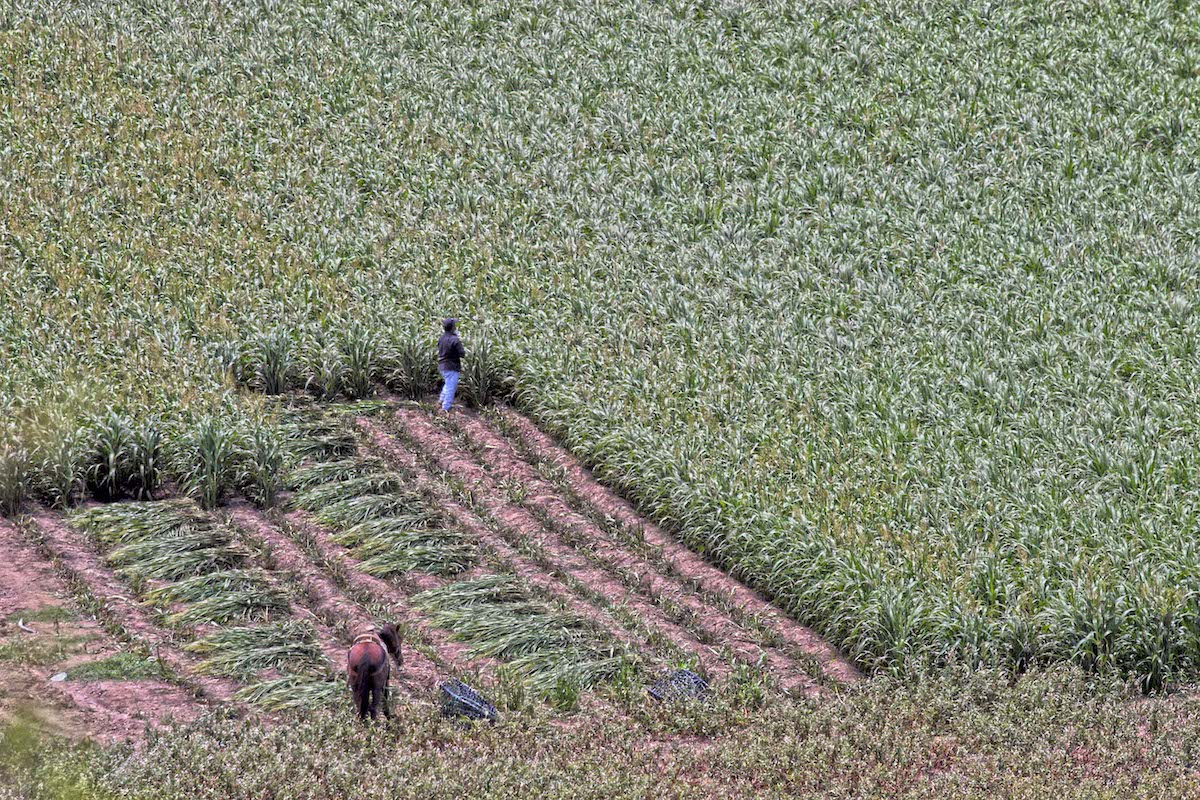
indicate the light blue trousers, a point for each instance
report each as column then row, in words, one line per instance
column 450, row 387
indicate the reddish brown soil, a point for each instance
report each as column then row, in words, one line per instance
column 27, row 582
column 524, row 567
column 322, row 599
column 684, row 561
column 503, row 463
column 80, row 561
column 111, row 711
column 520, row 524
column 106, row 711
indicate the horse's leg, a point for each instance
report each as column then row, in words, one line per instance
column 384, row 677
column 359, row 691
column 374, row 692
column 362, row 698
column 377, row 699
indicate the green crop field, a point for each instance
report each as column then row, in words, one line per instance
column 887, row 308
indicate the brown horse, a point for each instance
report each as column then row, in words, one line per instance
column 367, row 668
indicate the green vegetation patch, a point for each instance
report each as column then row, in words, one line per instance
column 222, row 596
column 48, row 614
column 41, row 650
column 315, row 473
column 390, row 546
column 168, row 540
column 555, row 653
column 129, row 523
column 364, row 483
column 118, row 667
column 202, row 561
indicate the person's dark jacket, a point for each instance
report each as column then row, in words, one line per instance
column 450, row 353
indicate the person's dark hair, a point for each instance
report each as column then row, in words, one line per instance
column 449, row 324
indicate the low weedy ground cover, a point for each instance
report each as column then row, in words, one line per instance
column 118, row 667
column 52, row 614
column 40, row 651
column 1047, row 735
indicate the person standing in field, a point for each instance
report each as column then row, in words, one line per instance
column 450, row 356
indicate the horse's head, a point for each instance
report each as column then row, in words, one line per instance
column 390, row 635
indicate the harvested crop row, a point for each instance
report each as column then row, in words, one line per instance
column 328, row 599
column 383, row 526
column 453, row 459
column 235, row 612
column 554, row 653
column 711, row 579
column 327, row 638
column 362, row 527
column 524, row 567
column 83, row 563
column 498, row 457
column 522, row 529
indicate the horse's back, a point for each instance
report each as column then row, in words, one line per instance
column 366, row 655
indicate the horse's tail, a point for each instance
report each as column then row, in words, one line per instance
column 360, row 688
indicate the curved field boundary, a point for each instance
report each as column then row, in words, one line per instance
column 456, row 459
column 80, row 561
column 401, row 457
column 710, row 578
column 421, row 671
